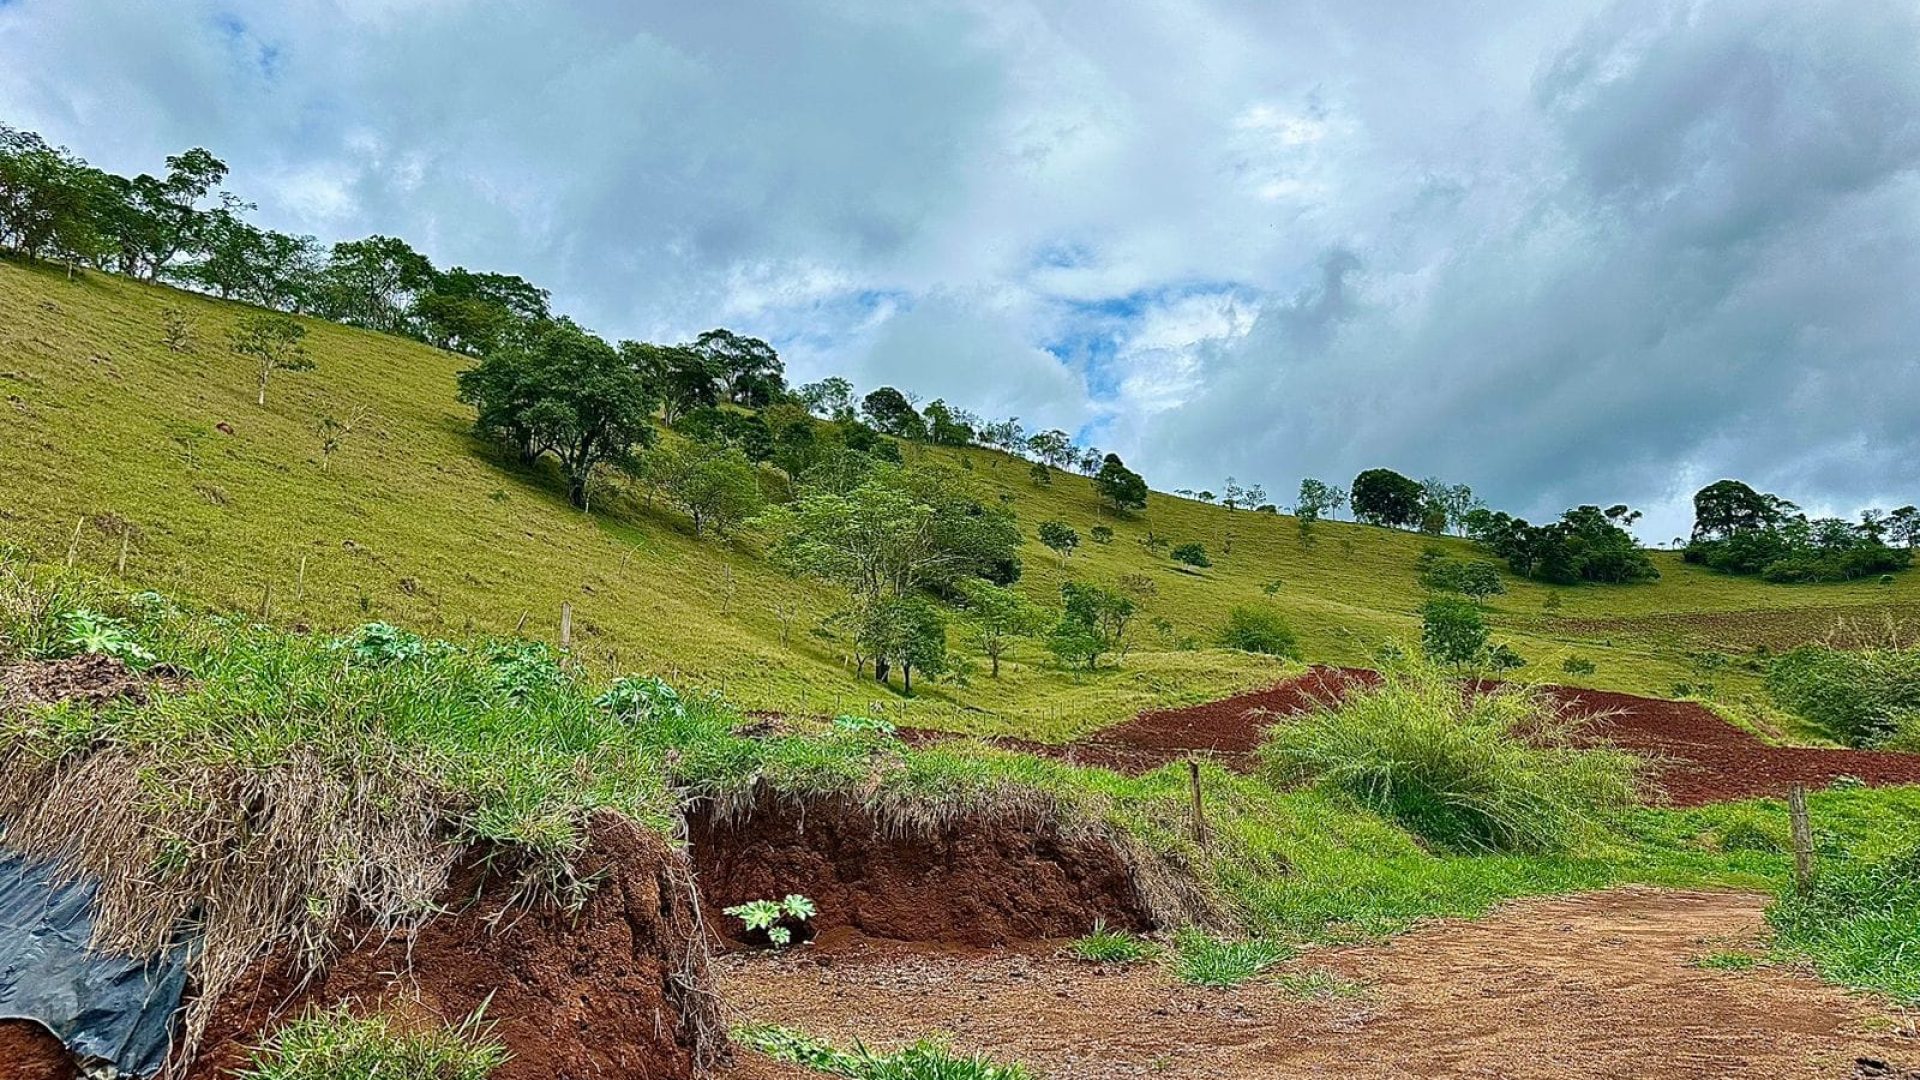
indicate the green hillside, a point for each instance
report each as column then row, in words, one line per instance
column 414, row 521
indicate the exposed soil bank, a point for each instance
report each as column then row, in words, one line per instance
column 982, row 880
column 92, row 680
column 1602, row 985
column 618, row 988
column 31, row 1052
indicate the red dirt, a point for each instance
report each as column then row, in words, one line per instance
column 31, row 1052
column 1699, row 758
column 619, row 988
column 980, row 881
column 1601, row 985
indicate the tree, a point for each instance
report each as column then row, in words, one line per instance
column 1726, row 508
column 1192, row 553
column 562, row 391
column 830, row 399
column 1233, row 496
column 1903, row 525
column 1093, row 623
column 273, row 343
column 889, row 411
column 1452, row 630
column 998, row 617
column 912, row 633
column 1100, row 534
column 683, row 378
column 1061, row 537
column 948, row 426
column 1259, row 630
column 474, row 313
column 239, row 261
column 1384, row 497
column 714, row 485
column 1054, row 447
column 1120, row 488
column 1040, row 474
column 748, row 369
column 373, row 283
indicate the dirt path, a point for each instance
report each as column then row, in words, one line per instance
column 1598, row 985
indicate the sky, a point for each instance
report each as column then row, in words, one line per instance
column 1572, row 252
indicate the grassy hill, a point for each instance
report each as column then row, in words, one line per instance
column 112, row 440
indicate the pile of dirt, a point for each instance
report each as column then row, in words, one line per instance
column 31, row 1052
column 1697, row 756
column 93, row 679
column 619, row 987
column 984, row 880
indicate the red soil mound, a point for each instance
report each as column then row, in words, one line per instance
column 92, row 679
column 618, row 988
column 31, row 1052
column 979, row 881
column 1699, row 758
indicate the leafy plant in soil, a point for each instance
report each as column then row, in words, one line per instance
column 336, row 1045
column 1201, row 960
column 771, row 917
column 1109, row 946
column 924, row 1060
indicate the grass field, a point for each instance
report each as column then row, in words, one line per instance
column 113, row 442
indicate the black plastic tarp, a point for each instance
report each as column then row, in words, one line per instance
column 111, row 1011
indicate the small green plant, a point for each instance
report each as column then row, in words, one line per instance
column 1577, row 665
column 91, row 633
column 1108, row 946
column 336, row 1045
column 1727, row 960
column 1259, row 630
column 1101, row 534
column 381, row 644
column 176, row 330
column 525, row 668
column 865, row 725
column 1192, row 553
column 1317, row 983
column 924, row 1060
column 641, row 697
column 766, row 916
column 1201, row 960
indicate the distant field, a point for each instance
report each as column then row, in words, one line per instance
column 415, row 522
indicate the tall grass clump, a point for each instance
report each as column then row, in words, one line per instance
column 337, row 1045
column 921, row 1061
column 1863, row 697
column 1859, row 924
column 1469, row 771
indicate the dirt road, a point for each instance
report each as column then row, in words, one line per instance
column 1599, row 985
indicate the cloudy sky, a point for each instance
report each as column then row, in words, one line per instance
column 1565, row 252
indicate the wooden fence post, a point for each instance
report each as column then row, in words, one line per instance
column 1201, row 835
column 126, row 537
column 266, row 600
column 1802, row 838
column 566, row 624
column 73, row 545
column 300, row 582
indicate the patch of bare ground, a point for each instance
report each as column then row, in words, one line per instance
column 1598, row 985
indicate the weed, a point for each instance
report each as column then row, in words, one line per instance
column 1860, row 923
column 921, row 1061
column 1202, row 960
column 767, row 915
column 336, row 1045
column 1318, row 983
column 1108, row 946
column 91, row 633
column 1727, row 960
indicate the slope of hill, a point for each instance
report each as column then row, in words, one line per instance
column 115, row 443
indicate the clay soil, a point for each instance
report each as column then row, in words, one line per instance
column 619, row 988
column 92, row 680
column 1599, row 985
column 31, row 1052
column 982, row 881
column 1698, row 757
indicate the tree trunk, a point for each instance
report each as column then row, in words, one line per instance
column 995, row 657
column 880, row 668
column 906, row 678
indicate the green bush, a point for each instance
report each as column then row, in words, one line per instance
column 1864, row 697
column 1452, row 630
column 1259, row 630
column 1860, row 924
column 336, row 1045
column 1192, row 553
column 1478, row 772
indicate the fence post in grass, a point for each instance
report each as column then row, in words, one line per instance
column 1200, row 833
column 522, row 624
column 1802, row 838
column 126, row 537
column 73, row 545
column 300, row 582
column 566, row 624
column 266, row 600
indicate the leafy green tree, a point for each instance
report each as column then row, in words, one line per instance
column 152, row 220
column 1903, row 525
column 240, row 262
column 912, row 633
column 1120, row 488
column 1061, row 537
column 1191, row 553
column 1259, row 630
column 475, row 313
column 947, row 426
column 1726, row 508
column 1452, row 630
column 560, row 390
column 889, row 411
column 1093, row 623
column 999, row 617
column 1384, row 497
column 273, row 343
column 1315, row 500
column 977, row 539
column 830, row 399
column 1100, row 534
column 748, row 369
column 1040, row 474
column 1054, row 447
column 373, row 283
column 714, row 485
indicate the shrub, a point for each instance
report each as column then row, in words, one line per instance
column 336, row 1045
column 1191, row 553
column 1105, row 946
column 641, row 697
column 1492, row 771
column 1101, row 534
column 1452, row 630
column 1864, row 697
column 1577, row 665
column 1259, row 630
column 1205, row 961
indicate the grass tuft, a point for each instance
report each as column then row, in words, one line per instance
column 337, row 1045
column 1859, row 925
column 1202, row 960
column 924, row 1060
column 1109, row 946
